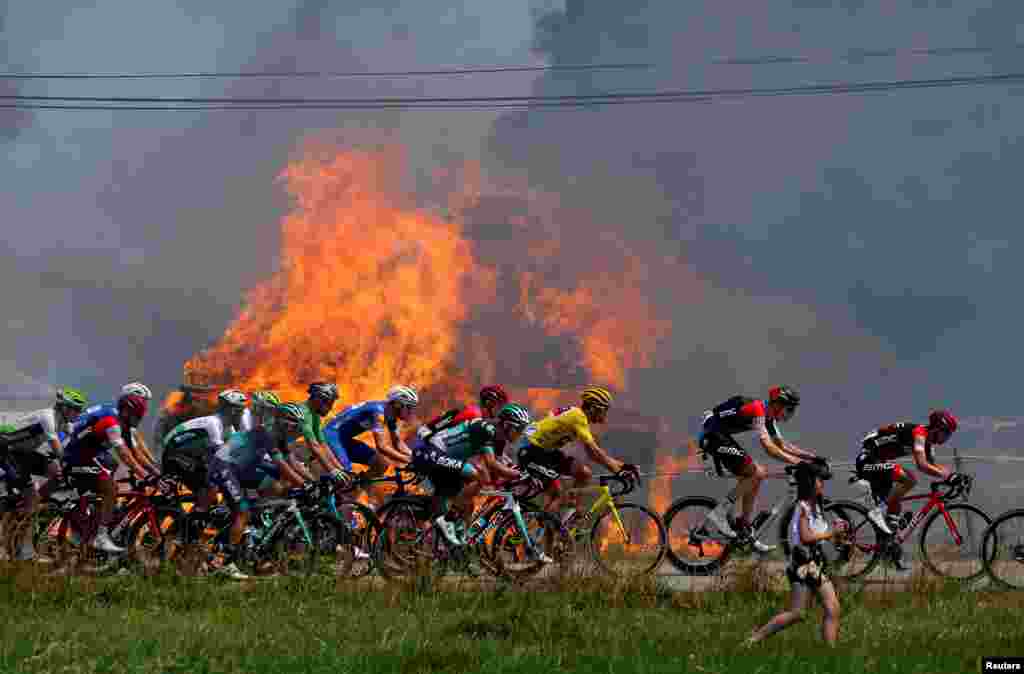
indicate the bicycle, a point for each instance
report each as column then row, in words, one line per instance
column 618, row 548
column 1002, row 546
column 700, row 549
column 945, row 555
column 501, row 526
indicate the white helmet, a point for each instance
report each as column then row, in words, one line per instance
column 136, row 389
column 405, row 396
column 232, row 398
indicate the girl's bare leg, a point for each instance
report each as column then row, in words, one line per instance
column 780, row 622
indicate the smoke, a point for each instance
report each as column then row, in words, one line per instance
column 837, row 243
column 12, row 121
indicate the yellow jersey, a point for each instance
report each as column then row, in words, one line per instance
column 558, row 430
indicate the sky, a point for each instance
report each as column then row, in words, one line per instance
column 858, row 248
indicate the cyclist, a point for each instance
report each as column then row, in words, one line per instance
column 243, row 462
column 373, row 416
column 540, row 449
column 445, row 460
column 740, row 414
column 492, row 399
column 890, row 482
column 32, row 446
column 99, row 439
column 322, row 396
column 188, row 446
column 261, row 413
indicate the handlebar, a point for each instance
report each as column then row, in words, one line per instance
column 961, row 488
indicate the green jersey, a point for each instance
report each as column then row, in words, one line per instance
column 468, row 439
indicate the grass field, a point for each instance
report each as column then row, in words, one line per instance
column 272, row 626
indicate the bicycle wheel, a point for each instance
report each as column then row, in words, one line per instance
column 155, row 545
column 939, row 548
column 630, row 545
column 398, row 547
column 858, row 555
column 1002, row 547
column 696, row 548
column 297, row 547
column 510, row 553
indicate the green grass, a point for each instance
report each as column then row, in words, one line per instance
column 173, row 624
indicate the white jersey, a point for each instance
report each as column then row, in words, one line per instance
column 34, row 431
column 815, row 520
column 200, row 433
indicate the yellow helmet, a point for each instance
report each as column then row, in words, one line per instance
column 597, row 396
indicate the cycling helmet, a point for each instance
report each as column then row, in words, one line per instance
column 515, row 415
column 597, row 397
column 942, row 419
column 232, row 398
column 493, row 394
column 73, row 398
column 265, row 399
column 320, row 390
column 784, row 395
column 132, row 405
column 405, row 396
column 136, row 389
column 291, row 412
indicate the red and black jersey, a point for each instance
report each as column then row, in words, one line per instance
column 739, row 414
column 450, row 418
column 896, row 440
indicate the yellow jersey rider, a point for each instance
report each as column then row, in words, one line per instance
column 540, row 450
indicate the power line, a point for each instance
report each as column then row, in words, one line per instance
column 318, row 74
column 849, row 56
column 494, row 102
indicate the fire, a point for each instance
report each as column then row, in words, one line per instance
column 374, row 289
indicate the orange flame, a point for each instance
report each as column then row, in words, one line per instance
column 374, row 290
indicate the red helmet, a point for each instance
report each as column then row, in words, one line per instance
column 133, row 405
column 942, row 419
column 493, row 394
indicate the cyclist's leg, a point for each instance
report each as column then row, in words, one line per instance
column 581, row 475
column 538, row 464
column 903, row 481
column 226, row 478
column 728, row 454
column 359, row 452
column 750, row 475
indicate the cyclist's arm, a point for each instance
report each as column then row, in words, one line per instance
column 299, row 470
column 143, row 455
column 392, row 452
column 323, row 456
column 600, row 456
column 492, row 467
column 287, row 471
column 774, row 445
column 921, row 459
column 117, row 446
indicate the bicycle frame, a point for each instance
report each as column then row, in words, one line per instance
column 604, row 501
column 935, row 500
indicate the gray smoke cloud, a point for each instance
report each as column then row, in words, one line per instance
column 855, row 247
column 12, row 121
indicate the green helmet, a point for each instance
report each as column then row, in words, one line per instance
column 71, row 397
column 265, row 399
column 515, row 415
column 293, row 412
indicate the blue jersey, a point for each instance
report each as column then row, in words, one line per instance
column 92, row 432
column 357, row 419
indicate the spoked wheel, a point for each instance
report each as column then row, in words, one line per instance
column 853, row 558
column 399, row 547
column 296, row 549
column 164, row 542
column 512, row 556
column 1002, row 548
column 696, row 547
column 631, row 544
column 943, row 553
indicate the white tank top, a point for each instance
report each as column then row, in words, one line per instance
column 815, row 520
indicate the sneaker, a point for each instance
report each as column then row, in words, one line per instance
column 103, row 543
column 360, row 554
column 231, row 571
column 879, row 520
column 721, row 522
column 762, row 548
column 898, row 563
column 447, row 529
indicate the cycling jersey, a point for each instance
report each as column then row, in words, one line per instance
column 197, row 436
column 468, row 439
column 96, row 436
column 246, row 460
column 740, row 414
column 896, row 441
column 558, row 430
column 341, row 432
column 247, row 449
column 32, row 432
column 450, row 418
